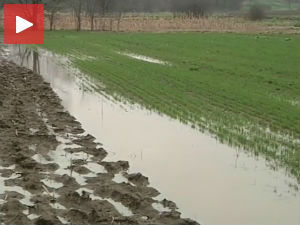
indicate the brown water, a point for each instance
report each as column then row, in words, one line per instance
column 210, row 182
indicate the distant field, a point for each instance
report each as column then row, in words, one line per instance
column 243, row 89
column 273, row 4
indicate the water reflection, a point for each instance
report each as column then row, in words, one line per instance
column 209, row 181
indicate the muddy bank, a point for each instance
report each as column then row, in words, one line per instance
column 51, row 172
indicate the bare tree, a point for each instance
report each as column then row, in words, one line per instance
column 104, row 5
column 52, row 7
column 91, row 8
column 257, row 12
column 30, row 1
column 77, row 8
column 1, row 8
column 192, row 8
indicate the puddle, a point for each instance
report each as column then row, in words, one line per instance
column 4, row 189
column 95, row 168
column 159, row 207
column 123, row 210
column 144, row 58
column 210, row 182
column 33, row 131
column 119, row 178
column 33, row 216
column 53, row 194
column 57, row 206
column 40, row 159
column 64, row 159
column 30, row 215
column 52, row 183
column 62, row 220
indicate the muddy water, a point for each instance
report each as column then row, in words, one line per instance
column 210, row 182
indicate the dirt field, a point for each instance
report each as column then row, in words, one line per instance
column 51, row 172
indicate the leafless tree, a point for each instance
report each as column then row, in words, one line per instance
column 30, row 1
column 77, row 8
column 1, row 7
column 52, row 7
column 91, row 8
column 192, row 8
column 104, row 5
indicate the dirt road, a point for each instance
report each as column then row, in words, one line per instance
column 51, row 172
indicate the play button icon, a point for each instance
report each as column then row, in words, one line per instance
column 22, row 24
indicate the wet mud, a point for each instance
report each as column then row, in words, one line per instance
column 52, row 172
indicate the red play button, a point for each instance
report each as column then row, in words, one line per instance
column 23, row 24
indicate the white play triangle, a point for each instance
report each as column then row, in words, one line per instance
column 22, row 24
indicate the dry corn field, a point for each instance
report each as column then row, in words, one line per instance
column 162, row 24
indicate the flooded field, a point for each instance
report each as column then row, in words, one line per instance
column 53, row 172
column 210, row 182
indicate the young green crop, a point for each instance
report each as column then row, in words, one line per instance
column 243, row 89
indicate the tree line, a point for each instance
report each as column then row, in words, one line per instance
column 93, row 8
column 104, row 6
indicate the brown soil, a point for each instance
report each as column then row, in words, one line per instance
column 33, row 123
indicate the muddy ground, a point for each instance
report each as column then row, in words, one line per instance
column 52, row 172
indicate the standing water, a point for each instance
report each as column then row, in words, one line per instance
column 210, row 182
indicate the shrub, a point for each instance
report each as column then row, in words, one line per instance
column 257, row 12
